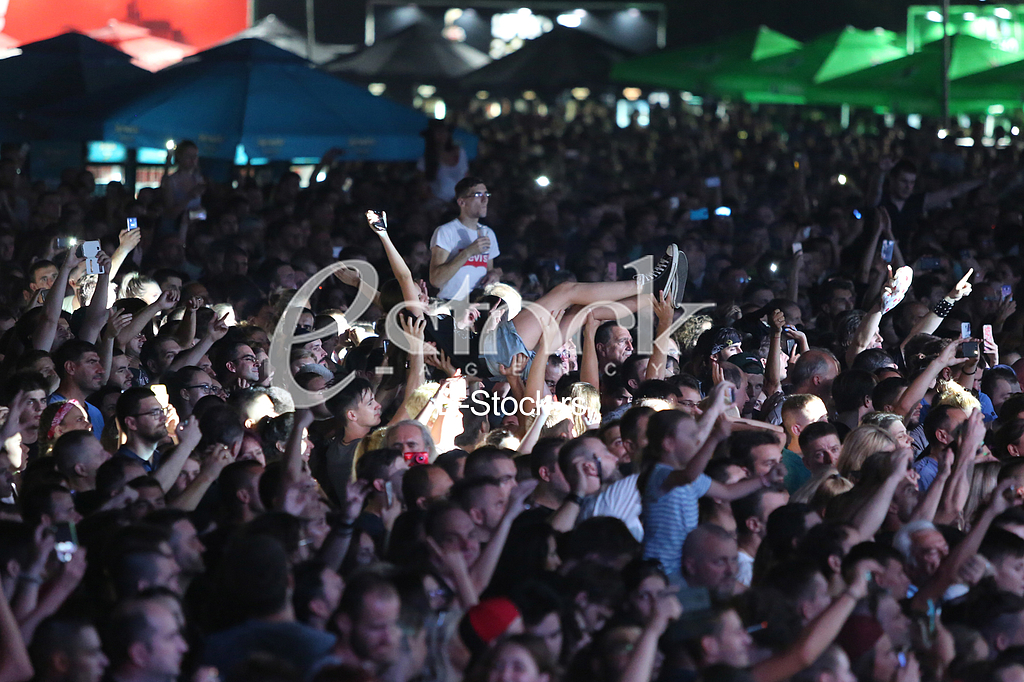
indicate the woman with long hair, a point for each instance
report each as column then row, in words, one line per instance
column 860, row 444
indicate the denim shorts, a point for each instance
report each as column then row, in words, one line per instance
column 501, row 345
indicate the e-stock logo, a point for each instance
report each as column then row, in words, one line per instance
column 284, row 336
column 483, row 404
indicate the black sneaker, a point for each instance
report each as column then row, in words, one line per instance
column 663, row 277
column 682, row 272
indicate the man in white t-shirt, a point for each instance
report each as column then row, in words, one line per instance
column 463, row 251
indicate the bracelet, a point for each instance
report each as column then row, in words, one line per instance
column 943, row 307
column 25, row 577
column 575, row 499
column 970, row 374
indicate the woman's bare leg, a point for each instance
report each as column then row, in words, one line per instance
column 567, row 294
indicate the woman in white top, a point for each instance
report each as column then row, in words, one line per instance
column 444, row 162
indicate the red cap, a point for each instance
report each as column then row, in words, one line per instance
column 491, row 618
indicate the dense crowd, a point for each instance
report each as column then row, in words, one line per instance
column 732, row 396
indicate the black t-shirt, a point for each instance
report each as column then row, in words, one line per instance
column 904, row 222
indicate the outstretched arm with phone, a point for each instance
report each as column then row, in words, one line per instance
column 930, row 322
column 46, row 329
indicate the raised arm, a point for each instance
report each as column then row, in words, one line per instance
column 939, row 198
column 930, row 322
column 917, row 390
column 215, row 331
column 46, row 328
column 950, row 567
column 813, row 639
column 96, row 312
column 167, row 301
column 590, row 371
column 412, row 329
column 483, row 569
column 656, row 365
column 870, row 517
column 189, row 436
column 127, row 240
column 209, row 472
column 640, row 667
column 379, row 224
column 773, row 364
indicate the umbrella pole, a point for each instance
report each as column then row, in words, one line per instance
column 311, row 29
column 945, row 63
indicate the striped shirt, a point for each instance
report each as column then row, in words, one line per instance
column 669, row 516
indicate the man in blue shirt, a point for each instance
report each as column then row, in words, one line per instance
column 81, row 374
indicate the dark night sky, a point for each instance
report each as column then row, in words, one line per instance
column 341, row 21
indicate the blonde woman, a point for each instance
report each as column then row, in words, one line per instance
column 861, row 443
column 983, row 482
column 892, row 423
column 831, row 487
column 585, row 403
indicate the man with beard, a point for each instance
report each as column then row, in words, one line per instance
column 368, row 613
column 81, row 374
column 143, row 423
column 120, row 371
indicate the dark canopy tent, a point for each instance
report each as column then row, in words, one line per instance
column 52, row 71
column 254, row 94
column 416, row 54
column 560, row 59
column 276, row 32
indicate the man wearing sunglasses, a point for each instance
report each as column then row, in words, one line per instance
column 462, row 251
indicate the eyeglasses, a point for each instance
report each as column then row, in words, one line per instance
column 477, row 195
column 205, row 388
column 158, row 412
column 246, row 358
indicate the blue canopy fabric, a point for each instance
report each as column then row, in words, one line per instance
column 58, row 69
column 252, row 93
column 68, row 65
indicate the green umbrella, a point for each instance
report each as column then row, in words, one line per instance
column 911, row 84
column 1000, row 85
column 693, row 68
column 787, row 78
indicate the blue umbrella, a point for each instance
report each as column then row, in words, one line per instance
column 57, row 69
column 254, row 94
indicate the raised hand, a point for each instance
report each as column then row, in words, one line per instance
column 515, row 368
column 517, row 498
column 378, row 220
column 664, row 310
column 440, row 361
column 129, row 239
column 962, row 288
column 168, row 299
column 116, row 324
column 188, row 432
column 218, row 328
